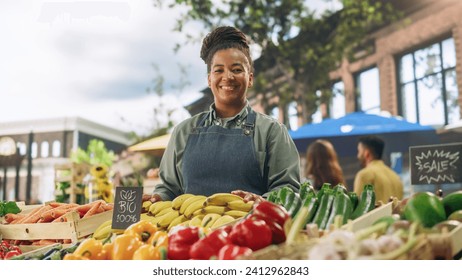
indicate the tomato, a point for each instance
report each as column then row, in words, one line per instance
column 11, row 254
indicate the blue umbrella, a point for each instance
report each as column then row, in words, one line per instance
column 344, row 132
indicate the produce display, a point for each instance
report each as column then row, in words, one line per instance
column 197, row 210
column 53, row 212
column 222, row 226
column 327, row 203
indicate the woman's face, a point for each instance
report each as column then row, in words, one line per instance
column 229, row 78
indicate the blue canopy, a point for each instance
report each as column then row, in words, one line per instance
column 345, row 131
column 357, row 123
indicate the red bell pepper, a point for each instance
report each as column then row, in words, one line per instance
column 208, row 246
column 181, row 241
column 275, row 217
column 231, row 252
column 251, row 232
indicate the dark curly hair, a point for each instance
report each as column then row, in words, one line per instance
column 221, row 38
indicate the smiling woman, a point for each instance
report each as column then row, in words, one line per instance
column 230, row 148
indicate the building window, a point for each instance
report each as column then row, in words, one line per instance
column 56, row 149
column 368, row 87
column 33, row 151
column 427, row 83
column 337, row 106
column 22, row 148
column 44, row 149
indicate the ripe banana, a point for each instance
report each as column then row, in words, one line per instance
column 178, row 201
column 167, row 218
column 146, row 204
column 158, row 206
column 240, row 205
column 165, row 211
column 188, row 202
column 178, row 220
column 225, row 219
column 236, row 213
column 196, row 221
column 209, row 220
column 146, row 217
column 221, row 199
column 103, row 231
column 196, row 205
column 214, row 209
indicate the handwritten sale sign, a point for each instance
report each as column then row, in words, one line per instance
column 127, row 206
column 436, row 164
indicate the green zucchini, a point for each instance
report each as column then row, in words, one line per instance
column 366, row 202
column 305, row 189
column 320, row 193
column 354, row 199
column 310, row 202
column 342, row 206
column 325, row 204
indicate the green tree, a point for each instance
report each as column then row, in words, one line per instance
column 299, row 48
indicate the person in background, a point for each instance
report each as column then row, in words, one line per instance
column 230, row 147
column 374, row 171
column 322, row 165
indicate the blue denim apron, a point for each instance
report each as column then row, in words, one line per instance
column 218, row 159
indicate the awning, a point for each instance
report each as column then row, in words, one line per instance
column 156, row 145
column 344, row 133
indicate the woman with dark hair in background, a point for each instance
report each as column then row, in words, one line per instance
column 322, row 164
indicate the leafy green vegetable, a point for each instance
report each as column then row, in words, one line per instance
column 8, row 207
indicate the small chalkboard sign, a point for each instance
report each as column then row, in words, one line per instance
column 436, row 164
column 127, row 206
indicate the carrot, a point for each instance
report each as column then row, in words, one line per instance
column 83, row 209
column 55, row 204
column 93, row 210
column 34, row 217
column 66, row 241
column 108, row 206
column 61, row 219
column 10, row 218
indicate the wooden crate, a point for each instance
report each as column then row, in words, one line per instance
column 369, row 218
column 74, row 229
column 74, row 174
column 446, row 245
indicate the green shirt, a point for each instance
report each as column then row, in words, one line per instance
column 385, row 181
column 276, row 152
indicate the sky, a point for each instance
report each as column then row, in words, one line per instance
column 94, row 59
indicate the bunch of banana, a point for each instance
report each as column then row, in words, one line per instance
column 105, row 230
column 197, row 210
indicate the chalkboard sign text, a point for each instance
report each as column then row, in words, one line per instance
column 127, row 206
column 436, row 164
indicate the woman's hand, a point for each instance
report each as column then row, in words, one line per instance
column 248, row 196
column 153, row 198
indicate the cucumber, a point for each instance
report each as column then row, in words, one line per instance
column 366, row 202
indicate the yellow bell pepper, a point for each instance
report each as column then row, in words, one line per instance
column 108, row 247
column 159, row 239
column 91, row 249
column 143, row 229
column 149, row 252
column 154, row 249
column 124, row 246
